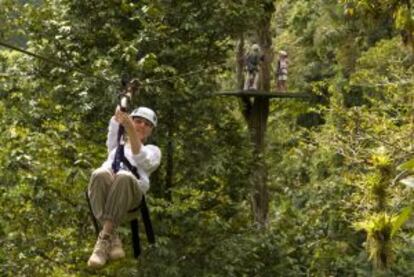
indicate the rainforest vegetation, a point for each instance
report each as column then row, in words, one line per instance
column 247, row 186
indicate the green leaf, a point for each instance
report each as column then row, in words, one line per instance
column 409, row 165
column 398, row 221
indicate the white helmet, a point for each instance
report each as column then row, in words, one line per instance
column 255, row 47
column 146, row 113
column 283, row 53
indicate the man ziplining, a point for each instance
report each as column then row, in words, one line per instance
column 120, row 184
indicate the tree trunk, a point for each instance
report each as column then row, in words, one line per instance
column 257, row 127
column 256, row 114
column 240, row 62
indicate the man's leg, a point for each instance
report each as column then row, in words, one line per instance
column 246, row 81
column 255, row 80
column 123, row 196
column 98, row 189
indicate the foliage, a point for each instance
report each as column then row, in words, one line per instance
column 332, row 181
column 380, row 229
column 401, row 13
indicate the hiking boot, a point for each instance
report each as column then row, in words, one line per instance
column 101, row 251
column 116, row 251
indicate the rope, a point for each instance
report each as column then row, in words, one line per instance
column 88, row 73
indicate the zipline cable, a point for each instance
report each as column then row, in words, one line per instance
column 51, row 61
column 90, row 74
column 10, row 46
column 184, row 74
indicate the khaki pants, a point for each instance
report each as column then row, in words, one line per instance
column 112, row 196
column 252, row 80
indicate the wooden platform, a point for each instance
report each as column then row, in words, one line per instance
column 256, row 93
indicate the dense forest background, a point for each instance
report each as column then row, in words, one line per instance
column 334, row 204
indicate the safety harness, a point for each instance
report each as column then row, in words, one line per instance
column 119, row 160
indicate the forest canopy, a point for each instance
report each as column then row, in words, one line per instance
column 247, row 186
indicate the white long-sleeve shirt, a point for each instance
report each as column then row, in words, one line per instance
column 146, row 161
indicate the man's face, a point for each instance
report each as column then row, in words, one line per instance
column 143, row 127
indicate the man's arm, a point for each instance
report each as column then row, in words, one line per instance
column 126, row 121
column 112, row 137
column 149, row 158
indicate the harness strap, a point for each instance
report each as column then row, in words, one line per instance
column 116, row 165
